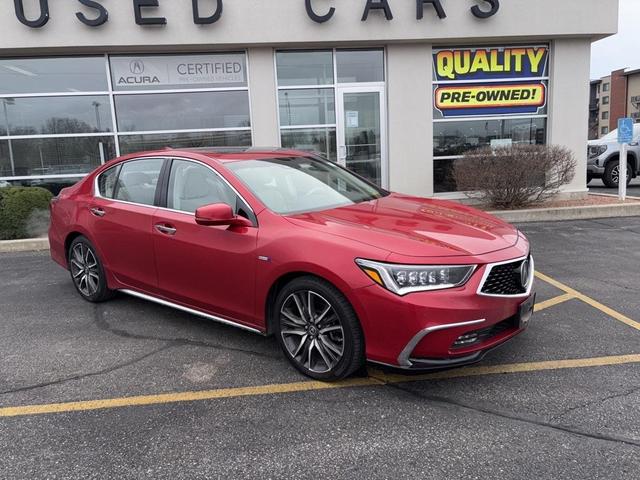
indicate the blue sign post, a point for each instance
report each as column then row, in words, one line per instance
column 625, row 130
column 625, row 137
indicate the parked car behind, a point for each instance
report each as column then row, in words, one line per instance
column 604, row 158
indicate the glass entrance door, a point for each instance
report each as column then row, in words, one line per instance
column 361, row 132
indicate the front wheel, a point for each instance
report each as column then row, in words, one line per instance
column 612, row 174
column 87, row 271
column 318, row 330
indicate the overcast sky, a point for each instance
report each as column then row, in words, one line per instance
column 621, row 50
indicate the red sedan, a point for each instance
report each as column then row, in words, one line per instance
column 282, row 242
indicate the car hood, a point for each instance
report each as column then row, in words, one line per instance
column 413, row 226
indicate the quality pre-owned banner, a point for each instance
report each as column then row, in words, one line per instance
column 490, row 81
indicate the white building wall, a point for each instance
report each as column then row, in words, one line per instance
column 262, row 95
column 280, row 22
column 569, row 102
column 410, row 107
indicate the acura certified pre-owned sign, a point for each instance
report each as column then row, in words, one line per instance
column 143, row 10
column 172, row 71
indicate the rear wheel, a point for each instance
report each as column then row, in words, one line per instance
column 318, row 330
column 612, row 174
column 87, row 272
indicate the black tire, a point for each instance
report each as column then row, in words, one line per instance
column 589, row 178
column 87, row 272
column 339, row 348
column 609, row 177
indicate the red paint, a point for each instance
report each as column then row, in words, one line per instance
column 229, row 269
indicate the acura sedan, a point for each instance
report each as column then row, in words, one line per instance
column 282, row 242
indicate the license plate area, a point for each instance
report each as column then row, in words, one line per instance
column 525, row 311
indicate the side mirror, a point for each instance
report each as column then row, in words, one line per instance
column 220, row 214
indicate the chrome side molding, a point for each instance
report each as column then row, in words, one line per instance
column 198, row 313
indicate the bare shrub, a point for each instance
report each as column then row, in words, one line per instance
column 514, row 176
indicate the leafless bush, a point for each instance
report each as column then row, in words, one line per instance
column 514, row 176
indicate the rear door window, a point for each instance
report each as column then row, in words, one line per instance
column 138, row 181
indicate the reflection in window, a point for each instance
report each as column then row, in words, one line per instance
column 54, row 156
column 46, row 75
column 53, row 115
column 318, row 140
column 181, row 111
column 360, row 66
column 457, row 138
column 307, row 107
column 138, row 143
column 137, row 181
column 305, row 68
column 107, row 182
column 192, row 186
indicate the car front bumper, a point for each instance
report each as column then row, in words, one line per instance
column 426, row 330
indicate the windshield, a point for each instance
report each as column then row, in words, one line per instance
column 612, row 136
column 303, row 184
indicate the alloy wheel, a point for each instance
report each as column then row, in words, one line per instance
column 84, row 269
column 311, row 331
column 615, row 174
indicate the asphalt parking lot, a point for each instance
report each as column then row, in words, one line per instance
column 129, row 389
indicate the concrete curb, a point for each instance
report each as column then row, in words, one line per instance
column 629, row 209
column 27, row 245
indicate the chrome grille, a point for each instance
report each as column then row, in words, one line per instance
column 504, row 280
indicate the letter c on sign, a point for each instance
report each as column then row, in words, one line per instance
column 314, row 16
column 40, row 22
column 495, row 6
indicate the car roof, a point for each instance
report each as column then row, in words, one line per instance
column 230, row 154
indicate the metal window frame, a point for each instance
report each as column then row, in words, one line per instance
column 336, row 86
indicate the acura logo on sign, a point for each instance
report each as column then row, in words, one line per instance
column 136, row 67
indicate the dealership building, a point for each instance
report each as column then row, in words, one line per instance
column 396, row 90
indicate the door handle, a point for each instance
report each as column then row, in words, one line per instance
column 167, row 230
column 98, row 212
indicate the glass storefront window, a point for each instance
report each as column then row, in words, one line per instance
column 305, row 68
column 307, row 107
column 54, row 74
column 138, row 143
column 457, row 138
column 321, row 140
column 54, row 115
column 54, row 156
column 360, row 66
column 182, row 111
column 162, row 72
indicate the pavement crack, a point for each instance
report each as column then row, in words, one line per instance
column 105, row 326
column 82, row 376
column 443, row 401
column 593, row 402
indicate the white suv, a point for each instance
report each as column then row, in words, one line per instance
column 604, row 158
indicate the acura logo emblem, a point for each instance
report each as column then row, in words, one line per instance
column 525, row 270
column 136, row 67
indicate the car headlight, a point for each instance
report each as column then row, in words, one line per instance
column 596, row 150
column 404, row 279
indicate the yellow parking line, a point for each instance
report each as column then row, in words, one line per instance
column 377, row 378
column 553, row 301
column 590, row 301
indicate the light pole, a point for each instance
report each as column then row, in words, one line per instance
column 97, row 105
column 5, row 102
